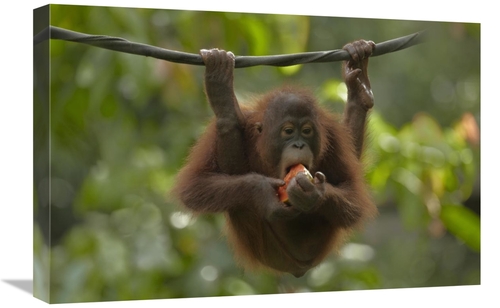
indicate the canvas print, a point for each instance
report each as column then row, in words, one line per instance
column 183, row 154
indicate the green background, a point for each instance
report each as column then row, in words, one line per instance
column 121, row 125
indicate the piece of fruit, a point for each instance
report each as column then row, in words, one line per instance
column 294, row 170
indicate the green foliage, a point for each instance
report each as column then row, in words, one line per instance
column 463, row 223
column 426, row 165
column 122, row 126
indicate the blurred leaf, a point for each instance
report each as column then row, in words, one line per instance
column 380, row 177
column 293, row 34
column 412, row 211
column 258, row 32
column 463, row 223
column 334, row 90
column 426, row 129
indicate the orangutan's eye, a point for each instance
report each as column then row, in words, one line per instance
column 307, row 130
column 287, row 131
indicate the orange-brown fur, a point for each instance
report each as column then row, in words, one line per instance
column 273, row 244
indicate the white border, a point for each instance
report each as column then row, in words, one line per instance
column 16, row 150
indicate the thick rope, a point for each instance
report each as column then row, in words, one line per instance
column 122, row 45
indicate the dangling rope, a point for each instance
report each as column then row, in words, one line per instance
column 123, row 45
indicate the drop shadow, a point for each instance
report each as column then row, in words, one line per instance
column 22, row 284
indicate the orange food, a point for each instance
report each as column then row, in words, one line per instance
column 282, row 195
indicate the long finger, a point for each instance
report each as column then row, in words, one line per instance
column 276, row 182
column 360, row 50
column 319, row 178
